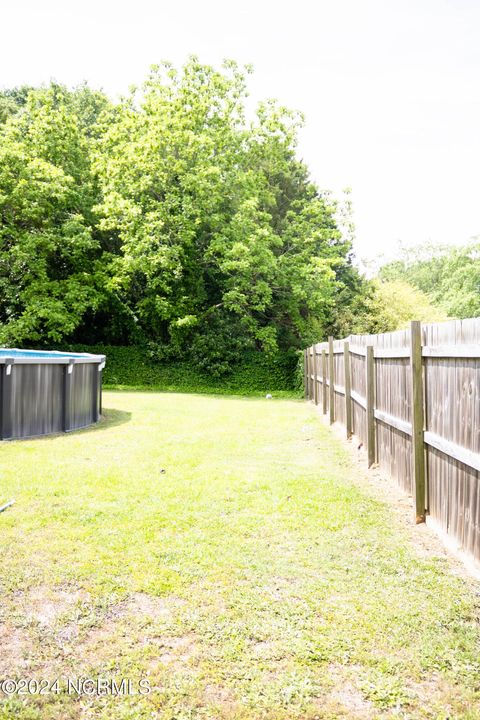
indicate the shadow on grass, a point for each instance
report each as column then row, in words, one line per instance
column 110, row 418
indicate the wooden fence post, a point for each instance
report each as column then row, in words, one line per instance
column 324, row 381
column 315, row 383
column 370, row 377
column 331, row 380
column 418, row 452
column 348, row 390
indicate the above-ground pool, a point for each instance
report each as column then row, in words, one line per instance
column 48, row 392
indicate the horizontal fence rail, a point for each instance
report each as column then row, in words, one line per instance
column 412, row 397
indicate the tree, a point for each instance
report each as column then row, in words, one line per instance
column 167, row 219
column 392, row 305
column 448, row 275
column 224, row 241
column 50, row 273
column 12, row 101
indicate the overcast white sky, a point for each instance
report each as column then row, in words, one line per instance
column 390, row 88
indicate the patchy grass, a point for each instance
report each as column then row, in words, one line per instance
column 221, row 549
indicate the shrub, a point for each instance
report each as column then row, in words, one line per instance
column 134, row 367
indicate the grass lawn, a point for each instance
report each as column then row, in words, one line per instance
column 222, row 549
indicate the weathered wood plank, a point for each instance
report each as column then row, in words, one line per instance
column 467, row 457
column 418, row 458
column 324, row 381
column 358, row 399
column 348, row 390
column 452, row 351
column 357, row 350
column 393, row 421
column 370, row 381
column 315, row 382
column 391, row 352
column 331, row 377
column 449, row 433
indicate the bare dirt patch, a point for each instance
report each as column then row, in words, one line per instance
column 54, row 625
column 221, row 698
column 152, row 606
column 268, row 651
column 14, row 650
column 127, row 625
column 433, row 690
column 177, row 651
column 344, row 698
column 46, row 605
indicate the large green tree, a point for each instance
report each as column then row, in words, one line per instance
column 224, row 241
column 50, row 269
column 169, row 218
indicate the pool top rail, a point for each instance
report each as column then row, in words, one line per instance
column 15, row 356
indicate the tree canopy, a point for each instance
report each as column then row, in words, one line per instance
column 167, row 218
column 448, row 275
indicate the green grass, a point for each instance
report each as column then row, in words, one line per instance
column 221, row 548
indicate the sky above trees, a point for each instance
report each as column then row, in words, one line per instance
column 389, row 90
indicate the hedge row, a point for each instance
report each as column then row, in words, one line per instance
column 132, row 367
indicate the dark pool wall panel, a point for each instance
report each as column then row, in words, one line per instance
column 39, row 399
column 84, row 396
column 99, row 393
column 36, row 400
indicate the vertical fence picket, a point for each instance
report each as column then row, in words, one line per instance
column 324, row 381
column 413, row 398
column 348, row 390
column 331, row 379
column 370, row 401
column 418, row 452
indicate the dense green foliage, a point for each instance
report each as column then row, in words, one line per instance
column 12, row 100
column 386, row 305
column 167, row 220
column 171, row 223
column 51, row 271
column 256, row 374
column 448, row 275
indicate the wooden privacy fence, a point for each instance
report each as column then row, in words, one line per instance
column 412, row 397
